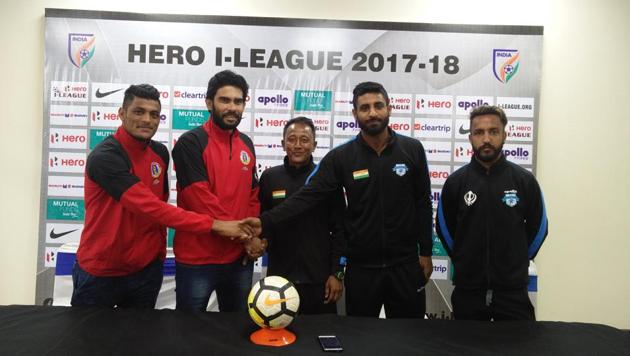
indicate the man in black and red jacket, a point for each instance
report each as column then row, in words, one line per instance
column 216, row 175
column 123, row 244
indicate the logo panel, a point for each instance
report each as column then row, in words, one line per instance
column 434, row 104
column 108, row 92
column 81, row 48
column 343, row 101
column 50, row 257
column 273, row 99
column 462, row 152
column 520, row 154
column 189, row 119
column 69, row 91
column 189, row 96
column 505, row 63
column 437, row 151
column 401, row 103
column 264, row 164
column 432, row 128
column 439, row 173
column 270, row 122
column 516, row 107
column 65, row 186
column 65, row 209
column 98, row 135
column 66, row 162
column 67, row 138
column 520, row 131
column 104, row 116
column 462, row 129
column 466, row 103
column 313, row 100
column 440, row 269
column 68, row 115
column 345, row 125
column 57, row 233
column 401, row 125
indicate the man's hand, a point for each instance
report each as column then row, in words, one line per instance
column 233, row 230
column 254, row 224
column 333, row 291
column 255, row 247
column 426, row 263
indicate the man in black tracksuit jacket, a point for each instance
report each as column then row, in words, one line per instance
column 388, row 218
column 306, row 250
column 491, row 219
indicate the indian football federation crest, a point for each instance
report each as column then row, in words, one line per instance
column 245, row 158
column 470, row 198
column 80, row 48
column 510, row 198
column 505, row 63
column 400, row 169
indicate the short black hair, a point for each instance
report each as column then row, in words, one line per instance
column 488, row 110
column 223, row 78
column 368, row 87
column 144, row 91
column 299, row 120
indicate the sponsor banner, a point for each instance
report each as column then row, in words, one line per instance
column 437, row 151
column 516, row 107
column 270, row 122
column 58, row 233
column 401, row 103
column 264, row 164
column 462, row 129
column 439, row 173
column 98, row 135
column 520, row 131
column 313, row 100
column 50, row 256
column 401, row 125
column 273, row 99
column 68, row 138
column 464, row 104
column 432, row 128
column 163, row 138
column 343, row 101
column 189, row 96
column 519, row 154
column 165, row 119
column 435, row 197
column 68, row 115
column 65, row 186
column 66, row 162
column 104, row 116
column 322, row 125
column 113, row 93
column 76, row 92
column 268, row 145
column 65, row 209
column 345, row 125
column 184, row 119
column 438, row 249
column 440, row 269
column 165, row 95
column 434, row 104
column 462, row 152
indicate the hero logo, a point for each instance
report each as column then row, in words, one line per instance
column 104, row 116
column 463, row 154
column 520, row 131
column 66, row 162
column 438, row 174
column 400, row 103
column 434, row 104
column 56, row 138
column 467, row 103
column 69, row 91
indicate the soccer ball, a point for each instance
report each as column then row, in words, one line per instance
column 273, row 302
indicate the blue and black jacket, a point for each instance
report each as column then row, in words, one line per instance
column 491, row 222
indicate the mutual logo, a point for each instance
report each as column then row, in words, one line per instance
column 400, row 169
column 80, row 48
column 510, row 198
column 505, row 63
column 54, row 235
column 470, row 198
column 188, row 119
column 313, row 100
column 245, row 159
column 99, row 94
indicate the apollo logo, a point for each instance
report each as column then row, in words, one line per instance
column 471, row 104
column 278, row 100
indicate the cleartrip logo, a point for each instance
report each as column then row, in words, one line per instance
column 80, row 48
column 505, row 63
column 188, row 95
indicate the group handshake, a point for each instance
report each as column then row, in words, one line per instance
column 246, row 231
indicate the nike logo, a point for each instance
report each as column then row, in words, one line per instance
column 99, row 95
column 271, row 302
column 463, row 131
column 56, row 236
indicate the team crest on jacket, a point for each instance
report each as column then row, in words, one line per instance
column 245, row 158
column 156, row 169
column 470, row 198
column 510, row 198
column 400, row 169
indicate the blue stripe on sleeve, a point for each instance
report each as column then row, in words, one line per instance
column 540, row 236
column 443, row 228
column 308, row 179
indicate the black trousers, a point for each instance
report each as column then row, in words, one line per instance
column 479, row 304
column 312, row 299
column 399, row 288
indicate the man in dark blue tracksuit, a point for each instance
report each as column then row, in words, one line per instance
column 491, row 219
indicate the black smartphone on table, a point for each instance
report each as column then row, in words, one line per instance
column 330, row 343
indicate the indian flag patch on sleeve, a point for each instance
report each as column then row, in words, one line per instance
column 279, row 194
column 361, row 174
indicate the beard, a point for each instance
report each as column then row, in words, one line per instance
column 373, row 127
column 218, row 120
column 490, row 157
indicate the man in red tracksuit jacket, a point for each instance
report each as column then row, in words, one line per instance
column 123, row 244
column 216, row 175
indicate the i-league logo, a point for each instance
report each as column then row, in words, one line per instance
column 80, row 48
column 505, row 63
column 510, row 198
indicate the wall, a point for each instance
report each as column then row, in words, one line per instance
column 582, row 145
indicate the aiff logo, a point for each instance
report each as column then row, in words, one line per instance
column 505, row 63
column 80, row 48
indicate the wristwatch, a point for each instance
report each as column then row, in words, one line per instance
column 340, row 275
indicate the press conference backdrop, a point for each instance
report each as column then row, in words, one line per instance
column 435, row 74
